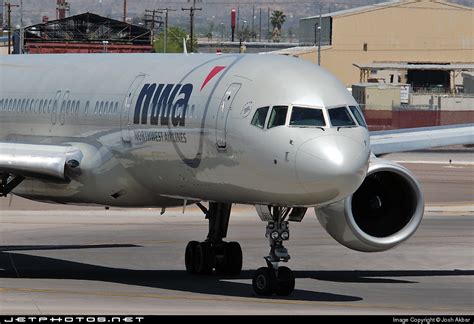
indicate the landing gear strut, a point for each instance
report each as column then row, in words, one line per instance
column 214, row 253
column 274, row 279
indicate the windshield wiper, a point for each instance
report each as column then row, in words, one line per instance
column 347, row 126
column 320, row 127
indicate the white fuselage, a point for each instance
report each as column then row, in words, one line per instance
column 157, row 130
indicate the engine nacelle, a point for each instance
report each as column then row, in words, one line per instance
column 385, row 211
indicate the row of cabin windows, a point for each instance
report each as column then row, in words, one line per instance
column 69, row 107
column 308, row 117
column 47, row 106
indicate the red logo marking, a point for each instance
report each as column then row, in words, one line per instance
column 213, row 73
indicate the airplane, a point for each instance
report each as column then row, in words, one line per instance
column 148, row 130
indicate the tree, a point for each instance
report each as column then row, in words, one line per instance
column 175, row 37
column 277, row 20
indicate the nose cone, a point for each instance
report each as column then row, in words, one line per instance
column 331, row 167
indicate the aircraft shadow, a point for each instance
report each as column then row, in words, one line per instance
column 14, row 265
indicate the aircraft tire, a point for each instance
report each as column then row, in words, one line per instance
column 264, row 282
column 189, row 257
column 285, row 282
column 233, row 258
column 203, row 258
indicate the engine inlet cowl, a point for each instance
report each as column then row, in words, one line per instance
column 385, row 210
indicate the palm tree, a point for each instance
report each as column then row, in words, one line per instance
column 277, row 20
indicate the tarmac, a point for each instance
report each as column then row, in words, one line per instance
column 76, row 260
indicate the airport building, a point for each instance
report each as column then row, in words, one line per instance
column 86, row 33
column 402, row 33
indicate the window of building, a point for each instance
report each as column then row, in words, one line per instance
column 259, row 117
column 278, row 116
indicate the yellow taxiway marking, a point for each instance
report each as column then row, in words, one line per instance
column 253, row 300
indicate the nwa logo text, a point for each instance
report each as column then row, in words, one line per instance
column 162, row 104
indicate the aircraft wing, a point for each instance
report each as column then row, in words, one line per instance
column 51, row 162
column 411, row 139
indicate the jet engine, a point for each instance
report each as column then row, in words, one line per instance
column 385, row 210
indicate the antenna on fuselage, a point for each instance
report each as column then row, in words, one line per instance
column 185, row 49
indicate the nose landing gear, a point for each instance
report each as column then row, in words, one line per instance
column 274, row 279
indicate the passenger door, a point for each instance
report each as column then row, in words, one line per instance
column 126, row 119
column 223, row 114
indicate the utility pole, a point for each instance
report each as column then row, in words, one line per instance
column 22, row 34
column 191, row 10
column 165, row 43
column 150, row 20
column 124, row 10
column 9, row 6
column 268, row 24
column 319, row 38
column 260, row 27
column 253, row 21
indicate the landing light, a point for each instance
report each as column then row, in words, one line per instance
column 275, row 235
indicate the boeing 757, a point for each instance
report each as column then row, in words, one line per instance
column 148, row 130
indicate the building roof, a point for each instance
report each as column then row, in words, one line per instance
column 382, row 5
column 358, row 9
column 407, row 66
column 87, row 27
column 298, row 50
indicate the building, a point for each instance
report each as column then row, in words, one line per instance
column 377, row 96
column 86, row 33
column 3, row 45
column 402, row 32
column 468, row 83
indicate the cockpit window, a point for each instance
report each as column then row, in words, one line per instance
column 341, row 117
column 358, row 115
column 278, row 116
column 259, row 117
column 307, row 117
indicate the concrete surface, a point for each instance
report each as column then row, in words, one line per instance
column 63, row 260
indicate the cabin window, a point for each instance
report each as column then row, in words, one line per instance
column 278, row 116
column 259, row 117
column 307, row 117
column 68, row 107
column 358, row 115
column 50, row 106
column 341, row 117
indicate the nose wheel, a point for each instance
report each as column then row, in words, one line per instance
column 268, row 281
column 274, row 279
